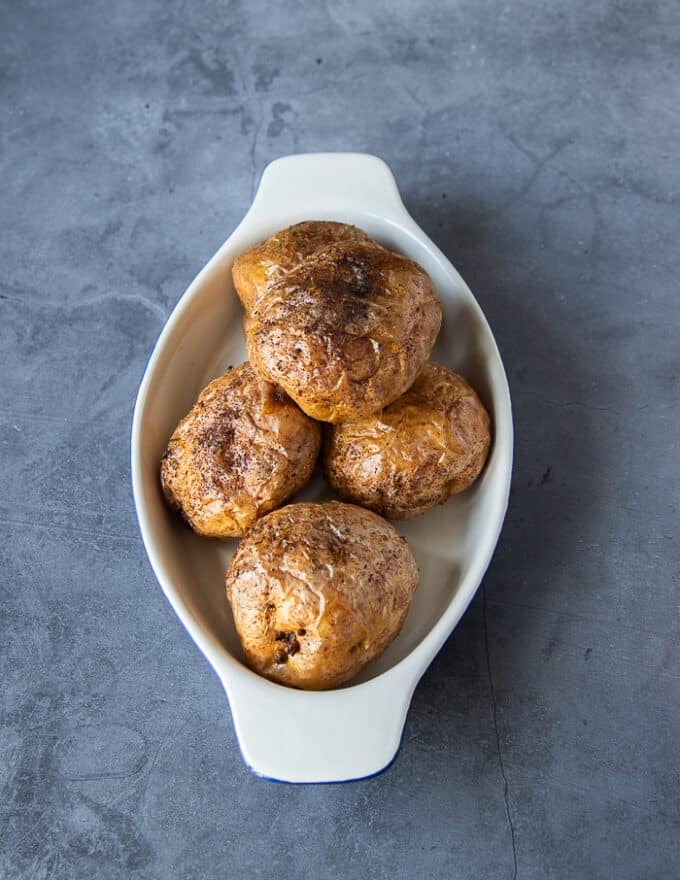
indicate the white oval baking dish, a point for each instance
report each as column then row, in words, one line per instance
column 354, row 731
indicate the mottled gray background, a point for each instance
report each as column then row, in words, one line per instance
column 539, row 147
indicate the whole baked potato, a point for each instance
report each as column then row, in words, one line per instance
column 346, row 331
column 242, row 450
column 318, row 591
column 255, row 270
column 431, row 443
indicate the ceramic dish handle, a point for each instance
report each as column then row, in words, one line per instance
column 326, row 736
column 318, row 182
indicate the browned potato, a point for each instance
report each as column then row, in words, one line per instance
column 318, row 591
column 346, row 332
column 243, row 449
column 429, row 444
column 266, row 263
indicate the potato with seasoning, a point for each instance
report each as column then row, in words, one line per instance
column 345, row 332
column 263, row 265
column 242, row 450
column 318, row 591
column 426, row 446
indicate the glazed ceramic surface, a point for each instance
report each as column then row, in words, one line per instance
column 353, row 731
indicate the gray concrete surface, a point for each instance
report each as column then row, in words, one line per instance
column 538, row 144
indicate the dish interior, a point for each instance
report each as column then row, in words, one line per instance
column 205, row 337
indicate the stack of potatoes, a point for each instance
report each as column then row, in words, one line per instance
column 339, row 331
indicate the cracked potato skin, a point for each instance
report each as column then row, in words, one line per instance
column 318, row 591
column 255, row 270
column 347, row 331
column 242, row 450
column 429, row 444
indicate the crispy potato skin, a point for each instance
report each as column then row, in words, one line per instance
column 346, row 332
column 318, row 591
column 266, row 263
column 426, row 446
column 242, row 450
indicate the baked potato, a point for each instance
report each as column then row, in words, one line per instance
column 426, row 446
column 242, row 450
column 346, row 331
column 266, row 263
column 318, row 591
